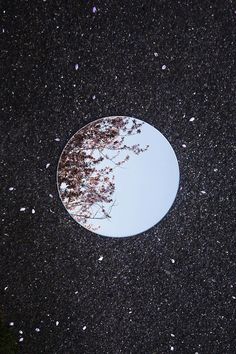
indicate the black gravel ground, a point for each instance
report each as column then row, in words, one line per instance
column 172, row 289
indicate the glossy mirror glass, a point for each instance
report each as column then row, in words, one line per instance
column 118, row 176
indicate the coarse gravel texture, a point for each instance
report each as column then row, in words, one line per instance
column 67, row 63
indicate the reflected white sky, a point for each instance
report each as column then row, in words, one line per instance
column 146, row 186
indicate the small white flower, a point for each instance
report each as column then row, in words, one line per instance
column 184, row 145
column 192, row 119
column 63, row 186
column 11, row 188
column 172, row 348
column 203, row 192
column 57, row 139
column 172, row 260
column 163, row 67
column 37, row 330
column 76, row 66
column 33, row 211
column 11, row 324
column 100, row 258
column 57, row 323
column 155, row 54
column 21, row 339
column 21, row 332
column 84, row 328
column 94, row 9
column 48, row 164
column 22, row 209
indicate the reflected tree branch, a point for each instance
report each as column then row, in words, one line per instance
column 87, row 185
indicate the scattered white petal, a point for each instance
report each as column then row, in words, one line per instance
column 21, row 339
column 37, row 330
column 22, row 209
column 192, row 119
column 156, row 54
column 215, row 169
column 130, row 311
column 50, row 195
column 234, row 297
column 21, row 332
column 57, row 139
column 57, row 323
column 100, row 258
column 6, row 287
column 3, row 30
column 94, row 9
column 76, row 292
column 84, row 328
column 48, row 164
column 172, row 260
column 11, row 188
column 203, row 192
column 93, row 97
column 76, row 66
column 184, row 145
column 11, row 324
column 172, row 348
column 33, row 211
column 172, row 335
column 163, row 67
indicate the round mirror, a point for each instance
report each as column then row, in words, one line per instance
column 118, row 176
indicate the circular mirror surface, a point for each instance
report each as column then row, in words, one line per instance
column 118, row 176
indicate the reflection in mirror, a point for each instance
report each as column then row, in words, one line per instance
column 118, row 176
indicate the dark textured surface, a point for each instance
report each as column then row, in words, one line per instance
column 137, row 299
